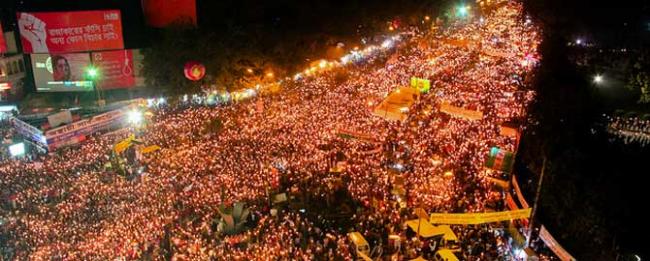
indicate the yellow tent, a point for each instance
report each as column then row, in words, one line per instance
column 449, row 234
column 425, row 229
column 420, row 258
column 395, row 106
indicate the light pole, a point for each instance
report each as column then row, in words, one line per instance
column 91, row 74
column 536, row 202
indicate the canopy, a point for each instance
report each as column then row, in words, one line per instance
column 420, row 258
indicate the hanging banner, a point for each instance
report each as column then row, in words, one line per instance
column 478, row 218
column 64, row 32
column 460, row 112
column 499, row 159
column 116, row 69
column 423, row 85
column 552, row 244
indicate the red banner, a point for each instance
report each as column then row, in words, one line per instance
column 59, row 32
column 161, row 13
column 3, row 44
column 115, row 69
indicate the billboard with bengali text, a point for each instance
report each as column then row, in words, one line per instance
column 116, row 69
column 61, row 72
column 62, row 32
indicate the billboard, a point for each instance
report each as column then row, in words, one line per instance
column 61, row 32
column 161, row 13
column 3, row 43
column 59, row 118
column 61, row 72
column 116, row 69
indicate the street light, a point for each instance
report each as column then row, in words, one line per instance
column 598, row 79
column 134, row 117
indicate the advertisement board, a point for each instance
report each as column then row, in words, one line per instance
column 61, row 72
column 3, row 43
column 62, row 32
column 116, row 68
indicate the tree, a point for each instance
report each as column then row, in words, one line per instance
column 640, row 82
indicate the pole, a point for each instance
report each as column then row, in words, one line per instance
column 536, row 203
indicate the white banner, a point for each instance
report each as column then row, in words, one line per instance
column 59, row 118
column 552, row 244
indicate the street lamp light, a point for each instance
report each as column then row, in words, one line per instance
column 598, row 79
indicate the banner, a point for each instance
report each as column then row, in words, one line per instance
column 511, row 202
column 509, row 130
column 552, row 244
column 3, row 43
column 460, row 112
column 63, row 117
column 150, row 149
column 478, row 218
column 423, row 85
column 520, row 196
column 28, row 131
column 499, row 159
column 63, row 32
column 161, row 13
column 75, row 132
column 348, row 134
column 116, row 69
column 61, row 72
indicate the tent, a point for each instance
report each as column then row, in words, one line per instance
column 425, row 229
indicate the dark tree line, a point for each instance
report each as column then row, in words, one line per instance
column 593, row 194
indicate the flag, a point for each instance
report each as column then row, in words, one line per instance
column 499, row 159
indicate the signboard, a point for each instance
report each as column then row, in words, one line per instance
column 161, row 13
column 59, row 118
column 3, row 43
column 77, row 131
column 116, row 69
column 552, row 244
column 62, row 32
column 478, row 218
column 61, row 72
column 423, row 85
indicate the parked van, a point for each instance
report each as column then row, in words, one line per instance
column 360, row 245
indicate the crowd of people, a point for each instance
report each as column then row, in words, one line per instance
column 69, row 206
column 630, row 129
